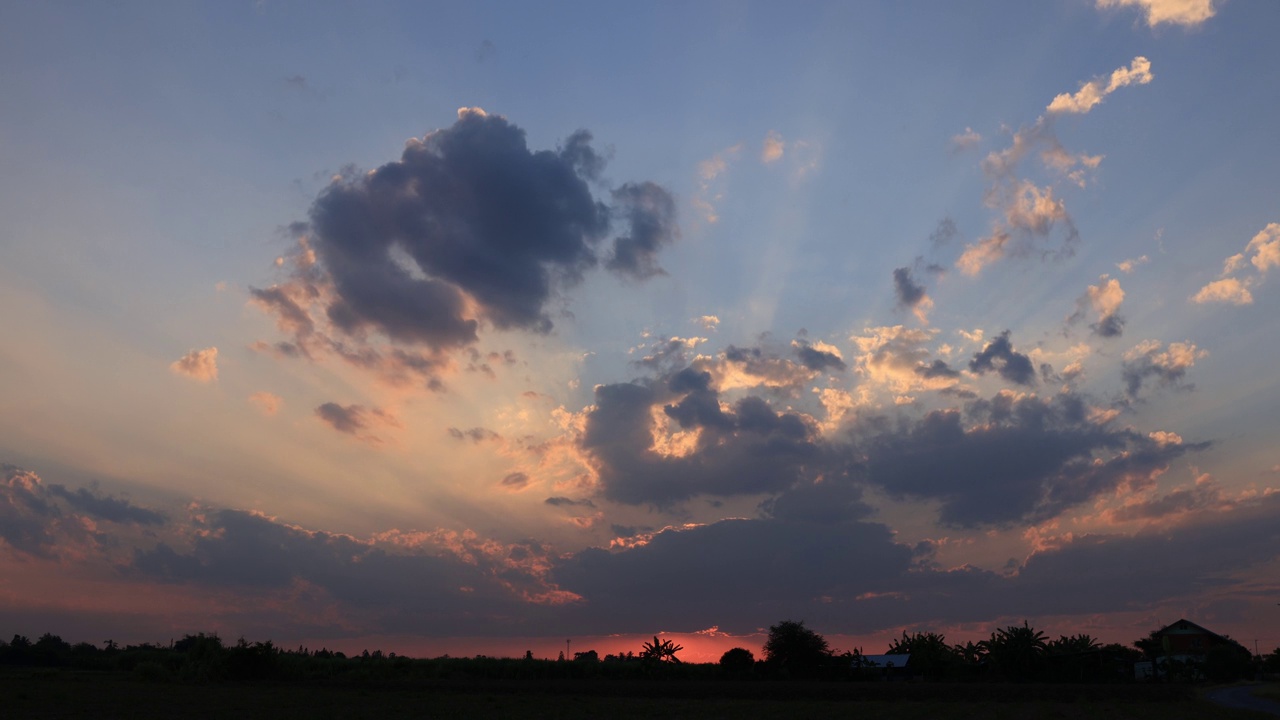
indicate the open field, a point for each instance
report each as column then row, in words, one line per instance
column 71, row 694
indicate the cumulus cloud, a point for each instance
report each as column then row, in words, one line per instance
column 1188, row 13
column 1030, row 213
column 899, row 359
column 1233, row 286
column 1150, row 360
column 740, row 449
column 818, row 356
column 403, row 265
column 1104, row 300
column 1000, row 357
column 1012, row 459
column 49, row 520
column 1093, row 92
column 199, row 365
column 708, row 322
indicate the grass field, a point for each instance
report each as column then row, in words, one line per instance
column 69, row 694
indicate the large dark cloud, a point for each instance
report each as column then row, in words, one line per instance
column 433, row 589
column 735, row 574
column 1000, row 356
column 470, row 226
column 105, row 507
column 36, row 518
column 750, row 448
column 1016, row 459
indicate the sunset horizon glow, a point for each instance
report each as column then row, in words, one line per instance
column 476, row 328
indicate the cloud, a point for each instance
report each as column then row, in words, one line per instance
column 818, row 356
column 711, row 181
column 568, row 502
column 355, row 420
column 1187, row 13
column 1104, row 299
column 965, row 140
column 468, row 229
column 999, row 356
column 1262, row 252
column 773, row 148
column 377, row 584
column 708, row 322
column 1093, row 92
column 898, row 359
column 1128, row 266
column 1016, row 459
column 49, row 520
column 650, row 213
column 199, row 365
column 1167, row 366
column 1030, row 213
column 268, row 403
column 516, row 481
column 741, row 449
column 911, row 294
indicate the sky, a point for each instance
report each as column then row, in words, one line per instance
column 478, row 327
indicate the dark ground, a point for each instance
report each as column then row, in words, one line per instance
column 48, row 693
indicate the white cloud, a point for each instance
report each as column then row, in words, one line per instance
column 200, row 365
column 1262, row 252
column 1128, row 266
column 1092, row 92
column 1175, row 12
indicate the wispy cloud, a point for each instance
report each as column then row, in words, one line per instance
column 1093, row 92
column 1233, row 286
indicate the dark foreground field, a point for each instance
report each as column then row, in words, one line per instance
column 42, row 693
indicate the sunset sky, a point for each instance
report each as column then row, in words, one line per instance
column 474, row 327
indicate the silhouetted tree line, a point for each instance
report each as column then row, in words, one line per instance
column 791, row 652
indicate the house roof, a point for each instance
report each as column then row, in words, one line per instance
column 1183, row 627
column 882, row 661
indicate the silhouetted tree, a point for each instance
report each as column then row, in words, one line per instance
column 795, row 648
column 661, row 650
column 931, row 656
column 1017, row 653
column 590, row 656
column 737, row 661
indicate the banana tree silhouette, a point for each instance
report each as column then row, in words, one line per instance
column 1016, row 652
column 661, row 650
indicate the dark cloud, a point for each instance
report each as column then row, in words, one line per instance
column 1166, row 366
column 943, row 234
column 937, row 369
column 349, row 419
column 909, row 292
column 735, row 574
column 468, row 586
column 27, row 514
column 1017, row 460
column 104, row 507
column 650, row 213
column 747, row 449
column 568, row 502
column 475, row 434
column 516, row 481
column 470, row 226
column 1000, row 356
column 817, row 360
column 1109, row 326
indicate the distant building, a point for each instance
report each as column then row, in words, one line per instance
column 1182, row 645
